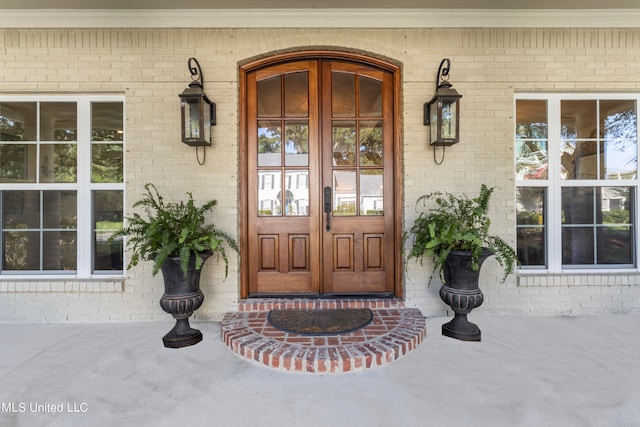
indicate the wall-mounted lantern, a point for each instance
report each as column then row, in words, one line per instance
column 198, row 112
column 442, row 112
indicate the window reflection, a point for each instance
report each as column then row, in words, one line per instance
column 269, row 143
column 371, row 192
column 269, row 193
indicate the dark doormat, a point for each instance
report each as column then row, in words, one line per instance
column 320, row 322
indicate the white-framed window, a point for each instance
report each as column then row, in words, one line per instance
column 576, row 162
column 61, row 185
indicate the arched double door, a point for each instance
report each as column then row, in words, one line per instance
column 319, row 167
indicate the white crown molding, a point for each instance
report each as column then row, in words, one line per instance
column 319, row 18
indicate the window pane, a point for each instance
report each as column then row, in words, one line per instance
column 107, row 164
column 578, row 119
column 59, row 209
column 107, row 220
column 577, row 245
column 344, row 193
column 21, row 250
column 531, row 226
column 18, row 121
column 20, row 210
column 296, row 151
column 344, row 143
column 343, row 94
column 17, row 163
column 531, row 159
column 371, row 143
column 370, row 97
column 371, row 192
column 577, row 205
column 58, row 121
column 107, row 121
column 296, row 200
column 582, row 160
column 614, row 205
column 59, row 249
column 269, row 143
column 619, row 129
column 296, row 95
column 615, row 245
column 270, row 97
column 58, row 163
column 531, row 119
column 269, row 194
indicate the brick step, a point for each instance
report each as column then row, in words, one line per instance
column 393, row 332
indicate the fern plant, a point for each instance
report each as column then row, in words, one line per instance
column 457, row 223
column 173, row 230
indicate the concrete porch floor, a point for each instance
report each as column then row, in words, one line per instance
column 527, row 371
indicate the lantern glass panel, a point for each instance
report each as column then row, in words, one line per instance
column 449, row 115
column 192, row 119
column 207, row 122
column 433, row 117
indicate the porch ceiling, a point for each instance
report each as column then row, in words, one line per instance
column 319, row 4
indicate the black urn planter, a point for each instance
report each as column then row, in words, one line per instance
column 182, row 296
column 461, row 292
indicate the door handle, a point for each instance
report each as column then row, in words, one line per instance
column 327, row 206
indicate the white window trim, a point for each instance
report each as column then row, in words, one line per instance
column 553, row 183
column 83, row 186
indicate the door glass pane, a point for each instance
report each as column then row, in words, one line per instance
column 270, row 97
column 269, row 143
column 371, row 192
column 18, row 162
column 296, row 200
column 578, row 119
column 269, row 193
column 18, row 121
column 296, row 150
column 370, row 97
column 107, row 121
column 296, row 95
column 371, row 143
column 343, row 94
column 58, row 121
column 344, row 143
column 344, row 193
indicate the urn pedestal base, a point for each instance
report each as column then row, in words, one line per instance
column 460, row 328
column 182, row 335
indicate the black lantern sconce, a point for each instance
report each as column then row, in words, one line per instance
column 442, row 112
column 198, row 112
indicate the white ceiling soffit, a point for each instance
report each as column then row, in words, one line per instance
column 319, row 18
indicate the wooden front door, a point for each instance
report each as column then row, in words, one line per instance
column 319, row 202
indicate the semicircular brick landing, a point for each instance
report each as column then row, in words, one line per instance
column 394, row 332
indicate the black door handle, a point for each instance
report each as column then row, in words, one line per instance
column 327, row 206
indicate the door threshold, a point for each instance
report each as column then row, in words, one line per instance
column 266, row 304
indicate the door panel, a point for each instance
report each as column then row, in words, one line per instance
column 357, row 135
column 317, row 126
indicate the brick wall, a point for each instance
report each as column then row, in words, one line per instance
column 149, row 66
